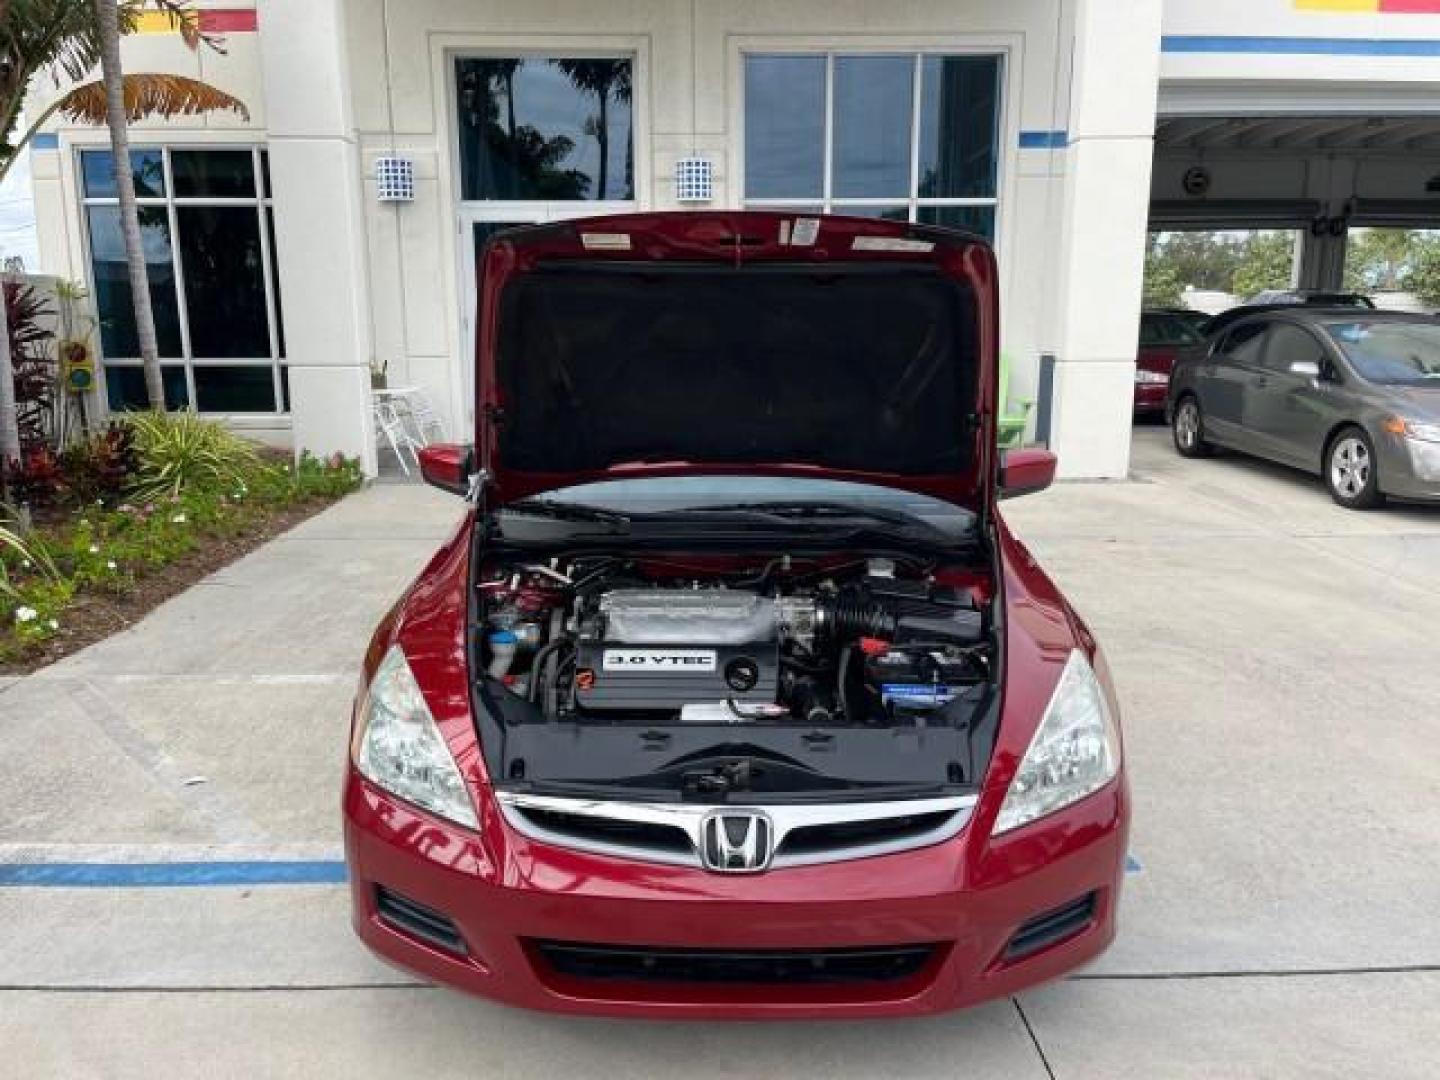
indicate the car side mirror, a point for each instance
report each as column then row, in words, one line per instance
column 1306, row 369
column 446, row 466
column 1025, row 471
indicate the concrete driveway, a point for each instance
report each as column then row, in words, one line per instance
column 1276, row 658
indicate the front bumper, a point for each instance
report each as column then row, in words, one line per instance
column 506, row 894
column 1410, row 468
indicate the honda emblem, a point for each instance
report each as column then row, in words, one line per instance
column 736, row 841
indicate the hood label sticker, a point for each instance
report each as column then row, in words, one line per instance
column 605, row 241
column 659, row 660
column 805, row 232
column 890, row 243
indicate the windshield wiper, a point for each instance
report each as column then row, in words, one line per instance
column 568, row 511
column 829, row 512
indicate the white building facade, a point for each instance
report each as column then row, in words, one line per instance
column 279, row 275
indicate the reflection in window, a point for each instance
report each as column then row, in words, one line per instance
column 111, row 275
column 226, row 174
column 872, row 126
column 888, row 152
column 224, row 280
column 553, row 129
column 959, row 124
column 125, row 387
column 98, row 174
column 235, row 389
column 784, row 127
column 979, row 220
column 221, row 309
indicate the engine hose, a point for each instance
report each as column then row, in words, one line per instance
column 850, row 619
column 842, row 685
column 538, row 666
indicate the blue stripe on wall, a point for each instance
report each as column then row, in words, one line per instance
column 45, row 140
column 1044, row 140
column 133, row 875
column 1300, row 46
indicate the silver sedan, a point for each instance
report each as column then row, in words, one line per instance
column 1351, row 395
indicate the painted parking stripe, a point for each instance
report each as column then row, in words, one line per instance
column 82, row 875
column 191, row 873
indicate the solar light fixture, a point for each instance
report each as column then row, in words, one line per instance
column 394, row 179
column 694, row 180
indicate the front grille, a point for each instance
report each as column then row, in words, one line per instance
column 803, row 833
column 610, row 831
column 1051, row 928
column 838, row 836
column 756, row 967
column 430, row 926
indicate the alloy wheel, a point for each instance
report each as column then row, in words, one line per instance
column 1350, row 467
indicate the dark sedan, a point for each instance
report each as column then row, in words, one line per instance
column 1351, row 394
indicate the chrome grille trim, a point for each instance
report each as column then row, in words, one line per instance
column 686, row 818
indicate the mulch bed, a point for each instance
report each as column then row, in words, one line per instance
column 93, row 617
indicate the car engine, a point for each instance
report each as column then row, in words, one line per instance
column 614, row 641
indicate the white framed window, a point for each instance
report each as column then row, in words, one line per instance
column 208, row 232
column 909, row 136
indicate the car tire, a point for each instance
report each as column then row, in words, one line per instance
column 1188, row 429
column 1350, row 470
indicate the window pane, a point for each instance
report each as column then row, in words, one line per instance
column 959, row 120
column 228, row 174
column 1291, row 345
column 979, row 220
column 784, row 127
column 235, row 389
column 888, row 213
column 872, row 125
column 112, row 281
column 147, row 166
column 275, row 284
column 125, row 387
column 265, row 171
column 224, row 281
column 545, row 129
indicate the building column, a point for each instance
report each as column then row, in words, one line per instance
column 1111, row 130
column 319, row 226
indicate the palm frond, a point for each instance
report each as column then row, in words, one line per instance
column 149, row 96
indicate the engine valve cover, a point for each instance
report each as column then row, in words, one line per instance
column 662, row 649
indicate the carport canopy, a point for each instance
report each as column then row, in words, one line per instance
column 1319, row 173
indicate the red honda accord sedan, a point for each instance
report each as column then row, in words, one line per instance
column 733, row 695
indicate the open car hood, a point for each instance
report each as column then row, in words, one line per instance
column 767, row 344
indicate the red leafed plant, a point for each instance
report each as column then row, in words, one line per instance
column 29, row 317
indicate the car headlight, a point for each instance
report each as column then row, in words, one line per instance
column 1075, row 751
column 1414, row 429
column 1150, row 378
column 401, row 750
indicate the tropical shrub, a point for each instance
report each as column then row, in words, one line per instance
column 100, row 468
column 178, row 452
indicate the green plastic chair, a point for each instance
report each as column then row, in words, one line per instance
column 1014, row 413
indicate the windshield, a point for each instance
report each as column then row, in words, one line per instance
column 1391, row 353
column 1162, row 328
column 787, row 497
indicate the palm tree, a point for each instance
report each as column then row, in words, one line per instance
column 604, row 79
column 67, row 37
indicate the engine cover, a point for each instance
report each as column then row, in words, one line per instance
column 660, row 649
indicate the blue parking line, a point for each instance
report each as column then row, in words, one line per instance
column 170, row 874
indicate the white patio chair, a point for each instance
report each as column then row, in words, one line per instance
column 391, row 427
column 428, row 425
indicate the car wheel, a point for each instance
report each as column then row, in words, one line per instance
column 1188, row 429
column 1350, row 471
